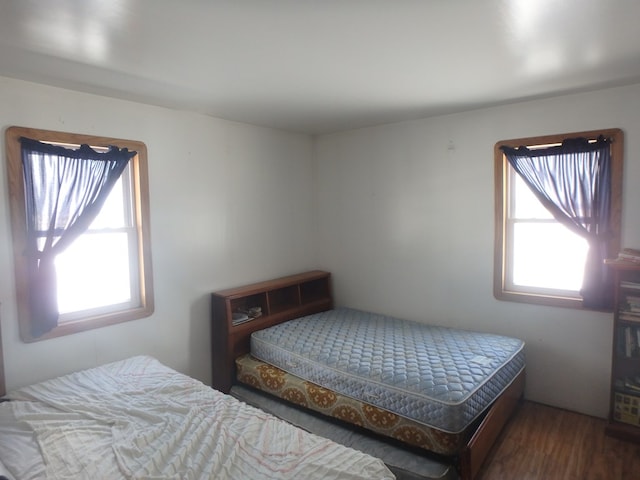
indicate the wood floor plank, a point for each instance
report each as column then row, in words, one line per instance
column 546, row 443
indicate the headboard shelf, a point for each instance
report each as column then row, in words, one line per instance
column 238, row 312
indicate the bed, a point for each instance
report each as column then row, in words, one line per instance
column 138, row 419
column 442, row 392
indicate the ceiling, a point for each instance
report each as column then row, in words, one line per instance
column 322, row 66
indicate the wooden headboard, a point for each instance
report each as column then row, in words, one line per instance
column 277, row 301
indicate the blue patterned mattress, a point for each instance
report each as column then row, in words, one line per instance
column 441, row 377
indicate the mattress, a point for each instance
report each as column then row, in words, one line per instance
column 441, row 377
column 138, row 419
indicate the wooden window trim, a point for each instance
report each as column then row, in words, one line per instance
column 18, row 226
column 500, row 213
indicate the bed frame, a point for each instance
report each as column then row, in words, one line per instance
column 290, row 297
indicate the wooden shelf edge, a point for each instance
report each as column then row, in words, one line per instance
column 262, row 287
column 623, row 431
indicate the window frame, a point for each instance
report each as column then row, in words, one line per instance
column 141, row 210
column 501, row 246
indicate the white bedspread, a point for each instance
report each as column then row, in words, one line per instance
column 138, row 419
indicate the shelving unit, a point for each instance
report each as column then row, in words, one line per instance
column 278, row 300
column 624, row 410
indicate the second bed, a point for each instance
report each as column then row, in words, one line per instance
column 432, row 390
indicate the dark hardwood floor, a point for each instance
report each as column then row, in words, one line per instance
column 545, row 443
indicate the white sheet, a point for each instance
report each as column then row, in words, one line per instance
column 5, row 472
column 138, row 419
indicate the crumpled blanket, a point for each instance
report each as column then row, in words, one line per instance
column 138, row 419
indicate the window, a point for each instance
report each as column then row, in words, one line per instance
column 104, row 275
column 537, row 258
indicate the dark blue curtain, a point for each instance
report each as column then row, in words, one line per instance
column 64, row 192
column 573, row 181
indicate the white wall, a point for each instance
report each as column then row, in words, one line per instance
column 230, row 204
column 405, row 223
column 403, row 219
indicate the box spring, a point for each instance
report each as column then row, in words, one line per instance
column 279, row 383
